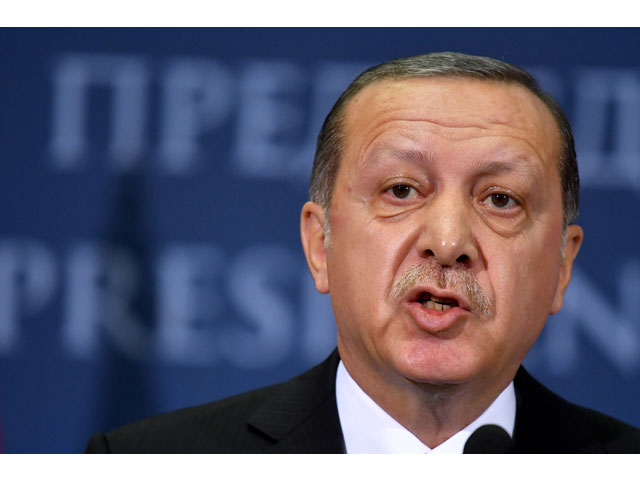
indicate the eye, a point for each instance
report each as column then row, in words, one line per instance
column 501, row 201
column 402, row 191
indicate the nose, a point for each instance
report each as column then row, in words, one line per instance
column 446, row 231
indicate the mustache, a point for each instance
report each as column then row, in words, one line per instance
column 457, row 278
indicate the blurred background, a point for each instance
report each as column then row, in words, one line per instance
column 150, row 187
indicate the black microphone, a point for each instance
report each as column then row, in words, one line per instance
column 489, row 439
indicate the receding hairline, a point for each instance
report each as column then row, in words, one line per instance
column 539, row 103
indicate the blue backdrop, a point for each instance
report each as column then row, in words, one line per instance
column 151, row 181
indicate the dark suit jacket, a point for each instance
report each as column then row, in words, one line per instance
column 301, row 416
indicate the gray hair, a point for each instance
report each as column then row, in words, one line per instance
column 330, row 144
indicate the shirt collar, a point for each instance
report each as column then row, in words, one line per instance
column 367, row 428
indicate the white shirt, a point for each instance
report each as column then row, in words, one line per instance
column 367, row 428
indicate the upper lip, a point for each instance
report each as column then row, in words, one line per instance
column 414, row 294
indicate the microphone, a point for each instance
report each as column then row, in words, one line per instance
column 489, row 439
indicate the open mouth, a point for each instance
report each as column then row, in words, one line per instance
column 436, row 303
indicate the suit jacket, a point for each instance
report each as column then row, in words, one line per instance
column 301, row 416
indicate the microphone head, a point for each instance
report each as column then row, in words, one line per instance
column 489, row 439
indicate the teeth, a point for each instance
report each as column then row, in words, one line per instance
column 436, row 306
column 436, row 303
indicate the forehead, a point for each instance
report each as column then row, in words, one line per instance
column 453, row 108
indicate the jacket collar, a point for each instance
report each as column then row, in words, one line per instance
column 546, row 423
column 302, row 414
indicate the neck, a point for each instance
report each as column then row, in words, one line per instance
column 431, row 412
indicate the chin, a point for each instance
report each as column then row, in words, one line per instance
column 440, row 365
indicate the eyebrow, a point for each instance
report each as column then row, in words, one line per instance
column 411, row 155
column 516, row 163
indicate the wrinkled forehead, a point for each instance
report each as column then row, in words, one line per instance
column 455, row 104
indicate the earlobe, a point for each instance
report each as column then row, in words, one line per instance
column 571, row 248
column 312, row 224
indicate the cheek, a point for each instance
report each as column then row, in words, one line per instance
column 524, row 283
column 357, row 267
column 357, row 258
column 363, row 261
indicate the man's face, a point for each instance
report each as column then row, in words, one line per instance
column 446, row 228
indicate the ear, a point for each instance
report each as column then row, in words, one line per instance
column 312, row 223
column 571, row 248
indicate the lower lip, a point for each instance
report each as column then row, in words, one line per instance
column 435, row 321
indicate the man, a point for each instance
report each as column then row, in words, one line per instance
column 443, row 196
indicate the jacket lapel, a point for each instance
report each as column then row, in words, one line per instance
column 546, row 423
column 302, row 416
